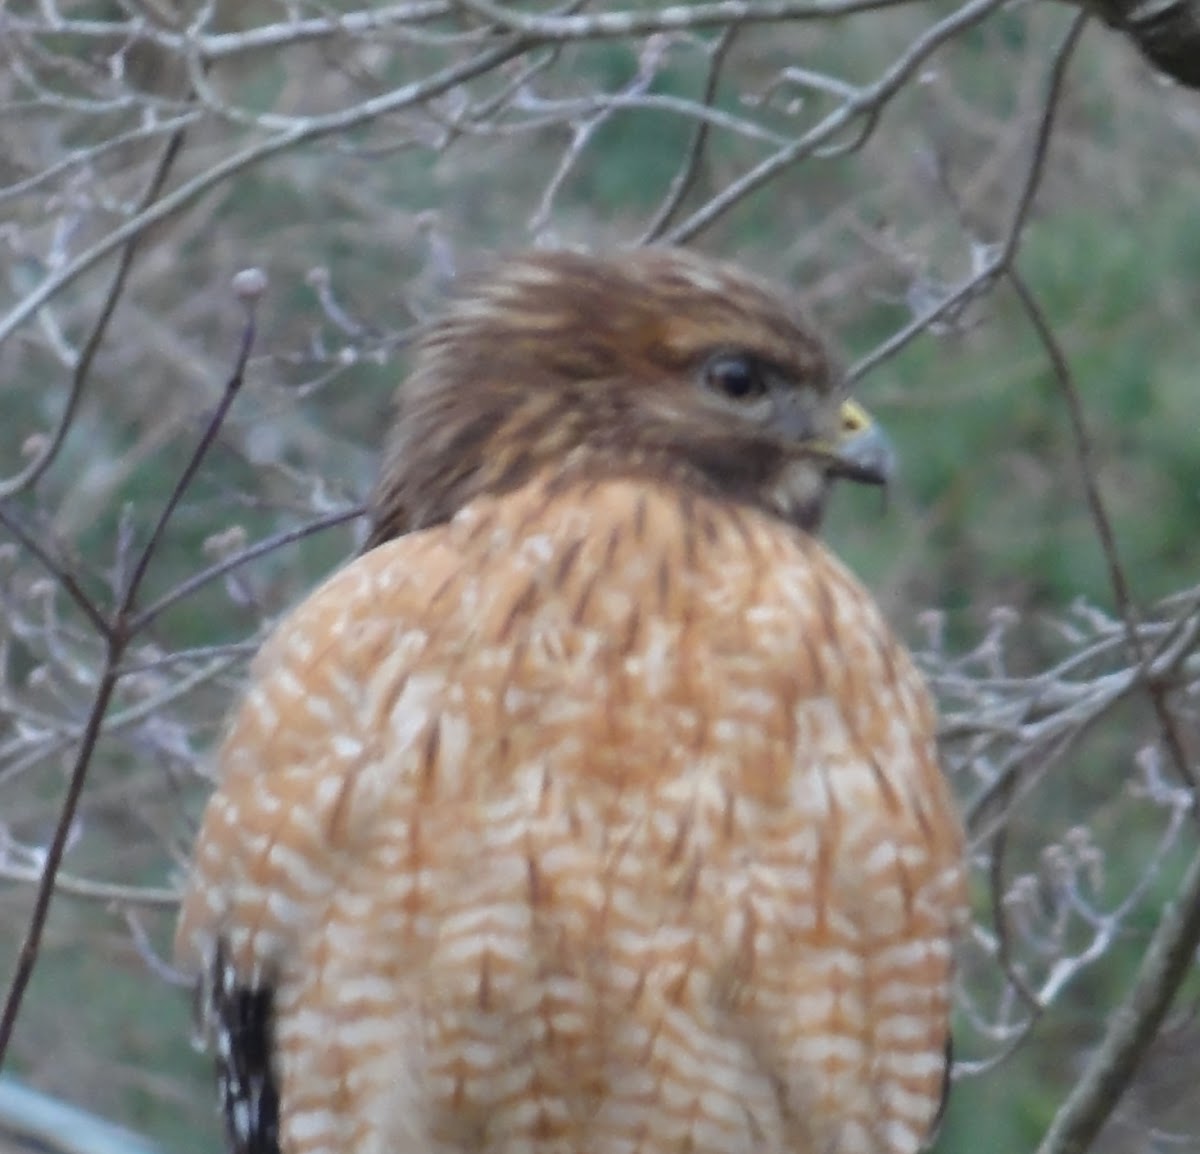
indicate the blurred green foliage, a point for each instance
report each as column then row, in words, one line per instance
column 990, row 511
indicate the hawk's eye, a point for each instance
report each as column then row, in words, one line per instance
column 736, row 376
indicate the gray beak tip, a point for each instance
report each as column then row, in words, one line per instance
column 868, row 457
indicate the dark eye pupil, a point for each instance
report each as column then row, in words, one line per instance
column 736, row 377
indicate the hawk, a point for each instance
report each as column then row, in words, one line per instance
column 594, row 809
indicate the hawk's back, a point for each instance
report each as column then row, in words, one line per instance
column 604, row 818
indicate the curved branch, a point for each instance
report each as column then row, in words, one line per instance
column 181, row 197
column 1133, row 1027
column 28, row 476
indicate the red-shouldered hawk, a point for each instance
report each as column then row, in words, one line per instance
column 595, row 809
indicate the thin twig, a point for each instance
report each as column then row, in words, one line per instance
column 270, row 544
column 623, row 25
column 1104, row 531
column 27, row 957
column 45, row 457
column 685, row 177
column 212, row 427
column 310, row 130
column 89, row 889
column 149, row 955
column 862, row 103
column 55, row 567
column 1013, row 234
column 118, row 637
column 1131, row 1029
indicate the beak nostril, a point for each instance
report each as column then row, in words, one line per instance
column 854, row 419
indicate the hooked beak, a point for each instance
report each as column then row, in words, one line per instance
column 863, row 451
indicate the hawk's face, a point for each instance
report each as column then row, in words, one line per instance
column 654, row 362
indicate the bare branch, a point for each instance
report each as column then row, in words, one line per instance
column 1007, row 249
column 118, row 637
column 1104, row 531
column 146, row 617
column 1165, row 964
column 682, row 17
column 45, row 457
column 167, row 206
column 866, row 102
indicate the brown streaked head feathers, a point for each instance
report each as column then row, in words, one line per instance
column 655, row 362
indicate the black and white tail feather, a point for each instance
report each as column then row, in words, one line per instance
column 947, row 1079
column 235, row 1022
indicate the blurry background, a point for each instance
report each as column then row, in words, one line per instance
column 887, row 164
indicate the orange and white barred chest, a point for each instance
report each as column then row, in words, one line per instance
column 595, row 822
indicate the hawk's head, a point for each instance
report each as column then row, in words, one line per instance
column 656, row 362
